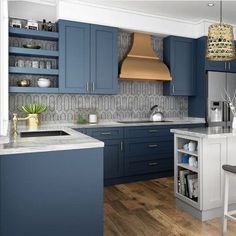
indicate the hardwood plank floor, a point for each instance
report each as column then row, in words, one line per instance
column 148, row 208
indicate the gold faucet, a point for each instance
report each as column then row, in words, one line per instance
column 15, row 119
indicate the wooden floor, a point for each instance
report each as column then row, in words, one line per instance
column 148, row 208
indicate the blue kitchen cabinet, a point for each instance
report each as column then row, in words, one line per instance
column 88, row 60
column 180, row 57
column 53, row 193
column 104, row 60
column 113, row 150
column 74, row 57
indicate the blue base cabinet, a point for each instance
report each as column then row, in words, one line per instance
column 136, row 153
column 180, row 57
column 88, row 59
column 52, row 193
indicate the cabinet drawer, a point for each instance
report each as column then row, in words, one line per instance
column 146, row 131
column 136, row 167
column 81, row 130
column 136, row 147
column 106, row 133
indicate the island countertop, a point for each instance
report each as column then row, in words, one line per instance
column 208, row 132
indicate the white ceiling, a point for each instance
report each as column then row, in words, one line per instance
column 185, row 10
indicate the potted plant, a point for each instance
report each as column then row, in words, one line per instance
column 33, row 110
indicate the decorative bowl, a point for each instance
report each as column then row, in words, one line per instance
column 44, row 83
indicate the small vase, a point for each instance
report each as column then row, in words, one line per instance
column 33, row 121
column 234, row 123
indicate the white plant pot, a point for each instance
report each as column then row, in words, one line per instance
column 234, row 123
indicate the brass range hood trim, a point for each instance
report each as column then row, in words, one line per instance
column 142, row 63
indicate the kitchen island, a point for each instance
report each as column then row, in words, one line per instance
column 51, row 185
column 199, row 186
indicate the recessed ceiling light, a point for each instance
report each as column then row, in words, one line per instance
column 210, row 4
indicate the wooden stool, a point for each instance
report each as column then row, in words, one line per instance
column 228, row 170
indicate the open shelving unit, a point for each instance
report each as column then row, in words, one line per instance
column 184, row 170
column 34, row 54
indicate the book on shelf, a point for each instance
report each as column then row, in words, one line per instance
column 188, row 184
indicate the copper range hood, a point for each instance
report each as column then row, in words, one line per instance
column 142, row 63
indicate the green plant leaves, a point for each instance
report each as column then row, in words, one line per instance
column 33, row 108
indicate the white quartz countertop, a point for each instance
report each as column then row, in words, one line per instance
column 75, row 140
column 209, row 132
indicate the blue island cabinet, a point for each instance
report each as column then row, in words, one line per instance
column 88, row 60
column 180, row 57
column 54, row 193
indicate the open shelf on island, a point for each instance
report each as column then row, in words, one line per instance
column 190, row 201
column 15, row 89
column 195, row 153
column 33, row 52
column 188, row 167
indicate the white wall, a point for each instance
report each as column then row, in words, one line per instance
column 3, row 67
column 30, row 10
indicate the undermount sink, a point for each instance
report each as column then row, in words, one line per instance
column 140, row 121
column 29, row 134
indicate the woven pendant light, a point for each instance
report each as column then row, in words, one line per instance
column 220, row 43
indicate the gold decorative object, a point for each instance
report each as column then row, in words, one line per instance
column 33, row 121
column 220, row 44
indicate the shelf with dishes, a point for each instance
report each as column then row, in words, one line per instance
column 33, row 52
column 33, row 34
column 33, row 58
column 36, row 71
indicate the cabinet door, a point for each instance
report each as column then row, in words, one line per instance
column 104, row 60
column 113, row 159
column 216, row 65
column 232, row 66
column 214, row 156
column 182, row 64
column 74, row 59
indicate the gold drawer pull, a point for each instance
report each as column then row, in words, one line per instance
column 152, row 131
column 152, row 145
column 152, row 163
column 106, row 133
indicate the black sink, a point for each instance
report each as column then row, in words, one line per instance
column 140, row 121
column 43, row 133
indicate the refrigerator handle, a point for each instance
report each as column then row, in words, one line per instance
column 223, row 111
column 229, row 112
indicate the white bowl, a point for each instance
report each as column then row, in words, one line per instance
column 44, row 83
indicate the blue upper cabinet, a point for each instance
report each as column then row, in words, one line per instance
column 104, row 60
column 221, row 66
column 74, row 59
column 88, row 58
column 180, row 57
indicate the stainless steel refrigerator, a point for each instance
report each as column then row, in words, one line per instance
column 218, row 112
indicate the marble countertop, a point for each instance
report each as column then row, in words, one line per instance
column 75, row 140
column 209, row 132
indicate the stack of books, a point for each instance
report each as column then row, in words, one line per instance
column 188, row 184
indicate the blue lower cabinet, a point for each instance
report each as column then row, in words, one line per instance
column 52, row 193
column 150, row 164
column 113, row 159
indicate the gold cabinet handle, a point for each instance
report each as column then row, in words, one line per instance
column 173, row 89
column 93, row 86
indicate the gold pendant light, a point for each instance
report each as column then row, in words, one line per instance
column 220, row 43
